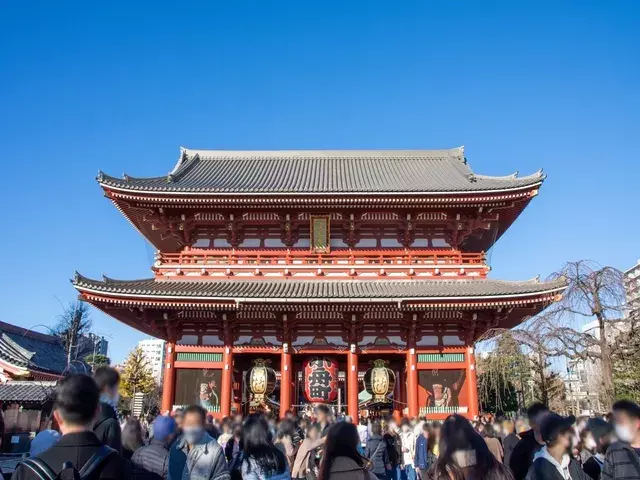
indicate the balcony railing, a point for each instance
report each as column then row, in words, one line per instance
column 337, row 262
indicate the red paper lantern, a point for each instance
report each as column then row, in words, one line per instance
column 321, row 379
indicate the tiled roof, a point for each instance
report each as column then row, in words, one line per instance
column 255, row 290
column 321, row 172
column 33, row 350
column 27, row 391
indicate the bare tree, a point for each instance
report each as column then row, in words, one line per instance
column 73, row 323
column 593, row 293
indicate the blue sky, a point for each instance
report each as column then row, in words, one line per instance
column 120, row 86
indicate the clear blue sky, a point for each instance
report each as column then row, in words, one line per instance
column 120, row 86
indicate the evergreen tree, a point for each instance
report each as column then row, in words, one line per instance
column 136, row 376
column 97, row 360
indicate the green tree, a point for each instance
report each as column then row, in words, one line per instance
column 503, row 375
column 97, row 360
column 626, row 365
column 136, row 376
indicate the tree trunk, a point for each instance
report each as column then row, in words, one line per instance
column 73, row 334
column 606, row 364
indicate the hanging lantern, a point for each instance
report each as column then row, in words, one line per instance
column 261, row 381
column 321, row 380
column 379, row 381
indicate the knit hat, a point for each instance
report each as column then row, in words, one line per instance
column 43, row 441
column 163, row 426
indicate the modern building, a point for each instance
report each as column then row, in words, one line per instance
column 632, row 287
column 153, row 350
column 95, row 343
column 292, row 277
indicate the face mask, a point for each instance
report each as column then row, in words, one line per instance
column 193, row 435
column 624, row 433
column 590, row 443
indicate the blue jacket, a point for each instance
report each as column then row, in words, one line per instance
column 421, row 459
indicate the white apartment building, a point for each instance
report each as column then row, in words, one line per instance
column 153, row 349
column 632, row 287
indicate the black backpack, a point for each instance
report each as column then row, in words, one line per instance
column 44, row 471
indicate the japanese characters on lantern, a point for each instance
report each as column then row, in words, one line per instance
column 321, row 379
column 261, row 381
column 380, row 381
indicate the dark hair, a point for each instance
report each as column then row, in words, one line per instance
column 363, row 421
column 197, row 409
column 322, row 408
column 77, row 399
column 258, row 445
column 426, row 427
column 535, row 409
column 132, row 435
column 106, row 377
column 314, row 427
column 286, row 428
column 627, row 406
column 342, row 441
column 376, row 428
column 458, row 434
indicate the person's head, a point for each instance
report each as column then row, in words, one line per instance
column 392, row 425
column 581, row 423
column 462, row 450
column 77, row 403
column 342, row 441
column 193, row 424
column 425, row 430
column 289, row 415
column 602, row 434
column 258, row 446
column 132, row 435
column 557, row 432
column 237, row 431
column 323, row 413
column 178, row 416
column 376, row 428
column 626, row 420
column 508, row 427
column 535, row 414
column 164, row 429
column 363, row 421
column 209, row 419
column 405, row 425
column 108, row 381
column 313, row 432
column 348, row 418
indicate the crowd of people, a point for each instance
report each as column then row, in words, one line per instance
column 189, row 444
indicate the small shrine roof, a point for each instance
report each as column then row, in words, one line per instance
column 27, row 391
column 314, row 290
column 222, row 172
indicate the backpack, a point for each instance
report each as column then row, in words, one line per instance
column 44, row 471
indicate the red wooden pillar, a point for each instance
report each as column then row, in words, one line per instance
column 412, row 382
column 472, row 384
column 226, row 389
column 352, row 384
column 285, row 380
column 169, row 379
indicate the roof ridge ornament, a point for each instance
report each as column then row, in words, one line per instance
column 100, row 176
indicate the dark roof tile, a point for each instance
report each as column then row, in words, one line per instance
column 321, row 172
column 300, row 289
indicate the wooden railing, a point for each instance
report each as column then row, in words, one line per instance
column 302, row 257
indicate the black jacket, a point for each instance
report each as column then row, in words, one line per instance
column 522, row 454
column 107, row 427
column 592, row 468
column 153, row 460
column 394, row 448
column 543, row 469
column 78, row 449
column 376, row 452
column 508, row 444
column 621, row 462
